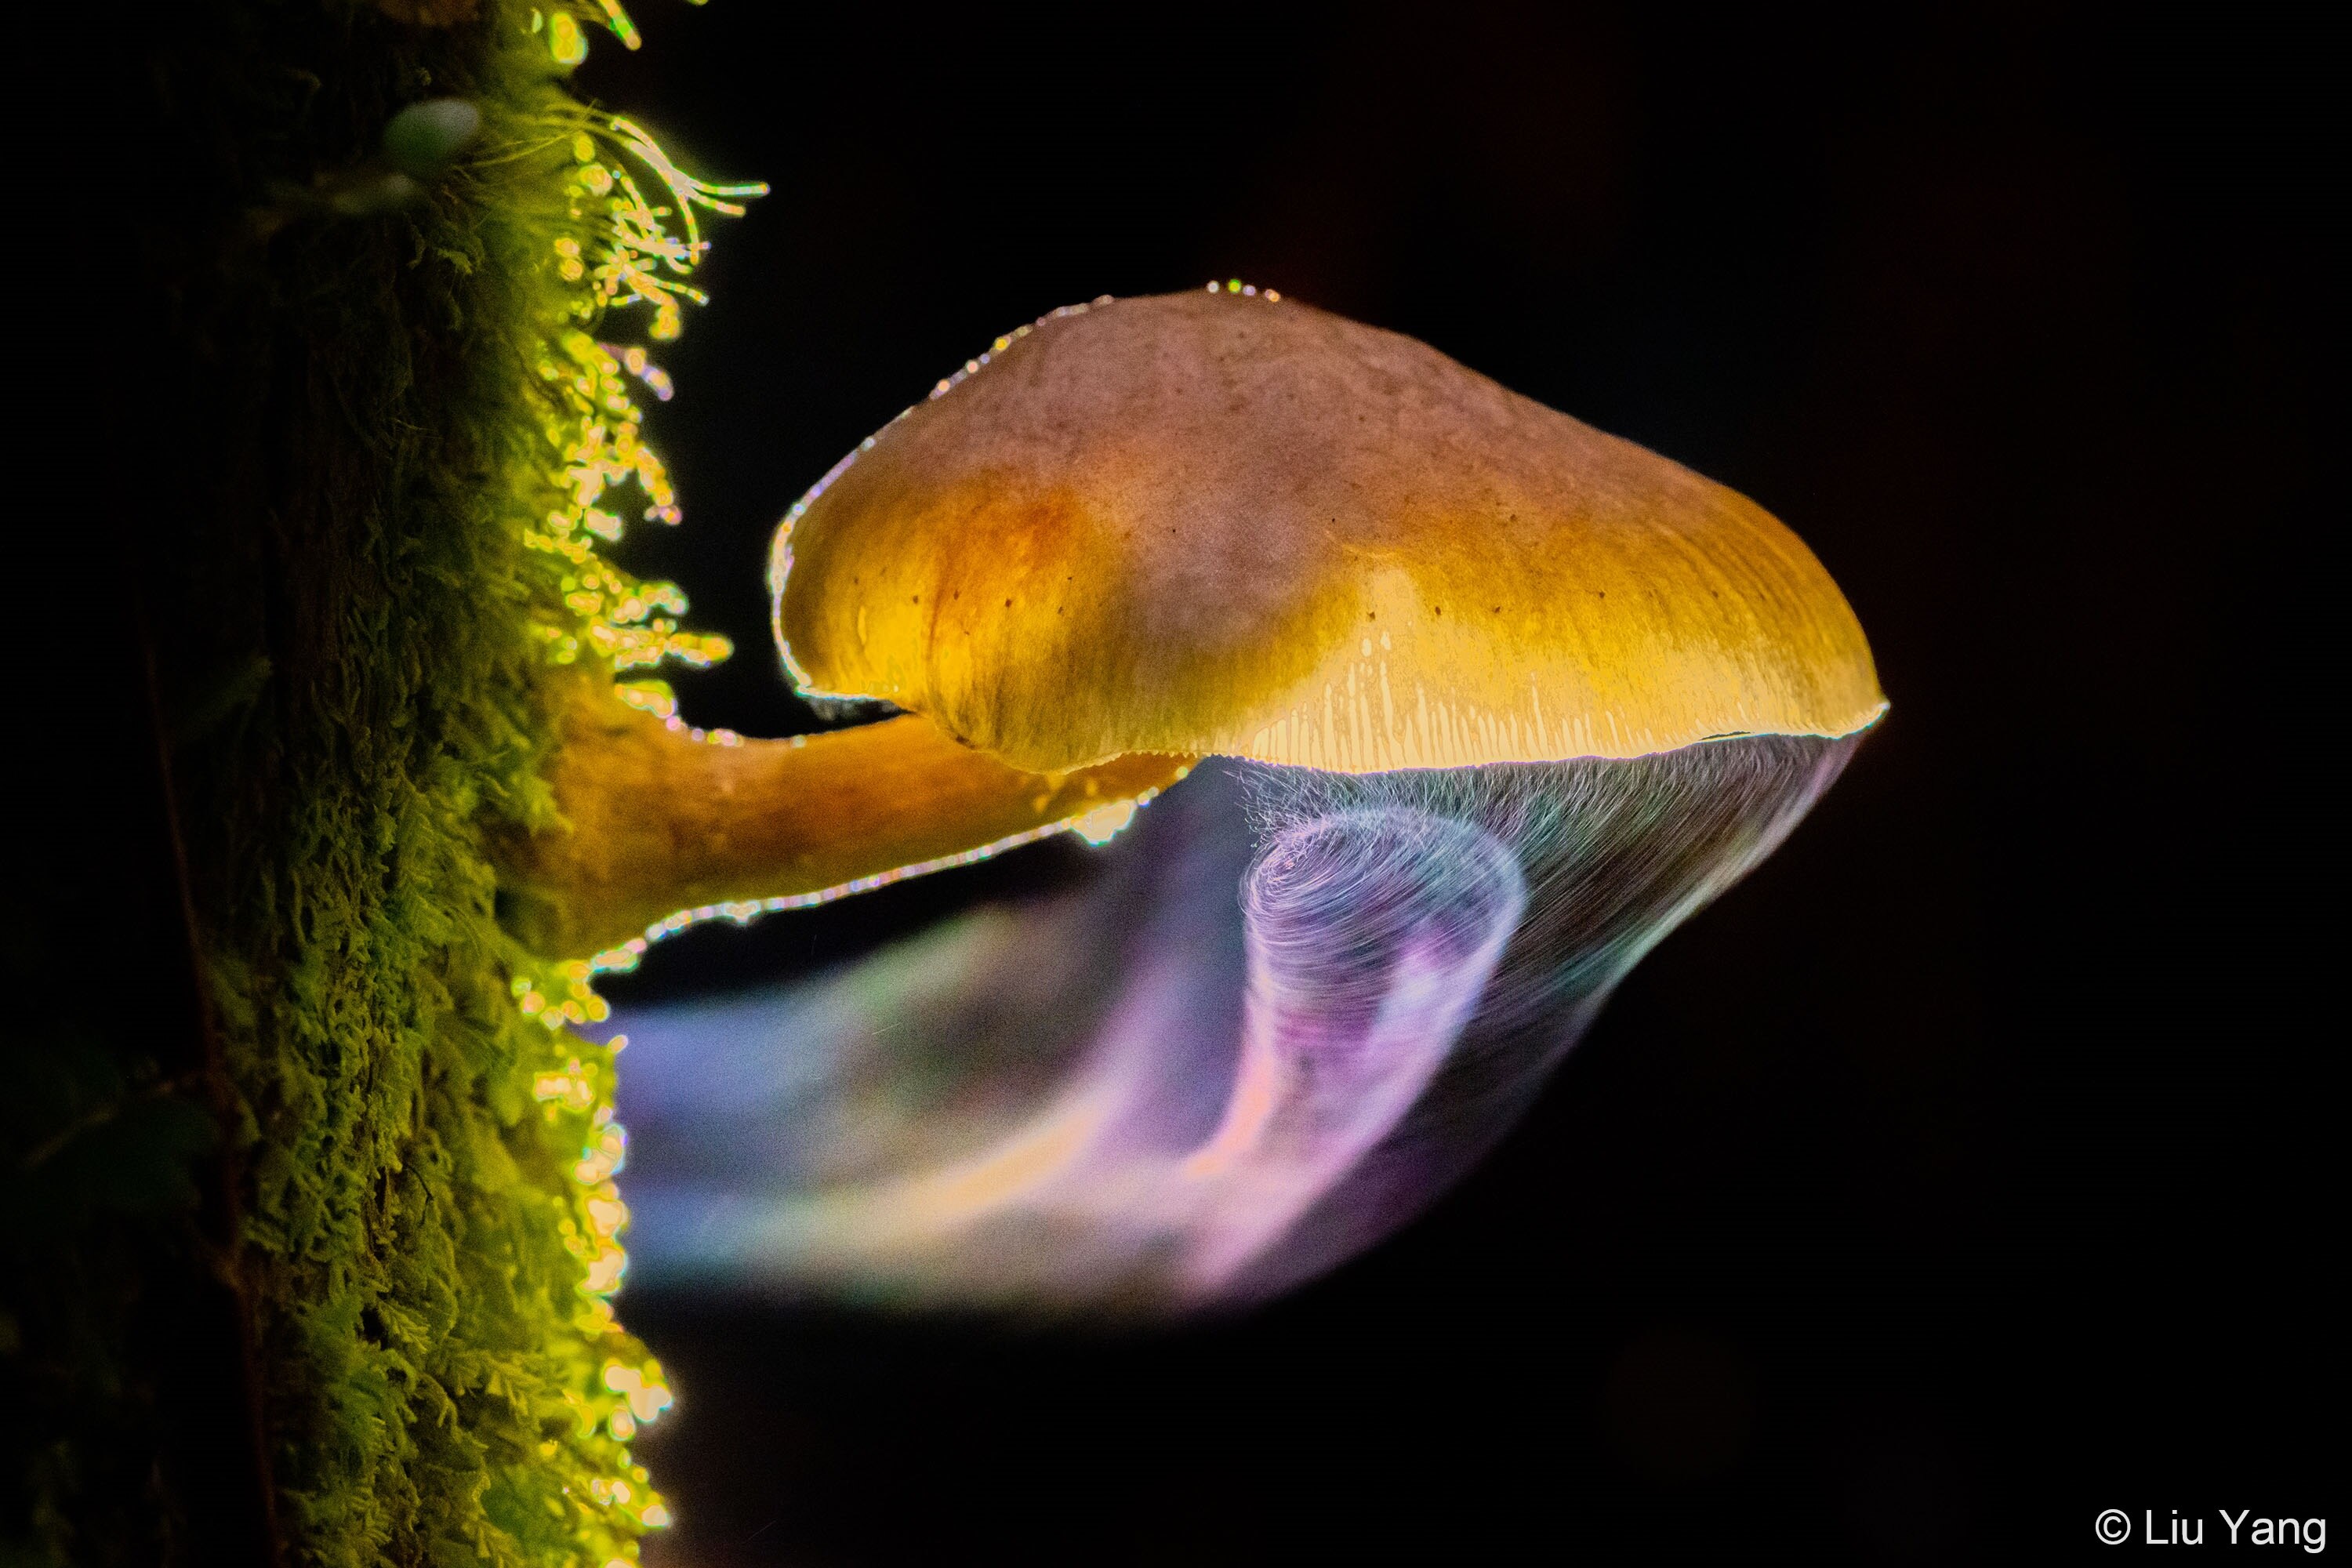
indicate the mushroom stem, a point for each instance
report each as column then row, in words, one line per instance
column 660, row 821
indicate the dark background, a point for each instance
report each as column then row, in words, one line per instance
column 1960, row 1175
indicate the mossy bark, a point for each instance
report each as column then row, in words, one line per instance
column 323, row 436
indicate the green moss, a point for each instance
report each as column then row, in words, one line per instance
column 362, row 609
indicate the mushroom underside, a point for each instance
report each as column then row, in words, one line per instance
column 1287, row 1010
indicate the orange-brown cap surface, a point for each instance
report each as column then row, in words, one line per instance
column 1211, row 524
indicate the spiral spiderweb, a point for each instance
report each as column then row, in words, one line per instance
column 1288, row 1009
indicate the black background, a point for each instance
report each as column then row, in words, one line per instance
column 1960, row 1174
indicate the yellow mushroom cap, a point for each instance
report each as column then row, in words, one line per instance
column 1211, row 524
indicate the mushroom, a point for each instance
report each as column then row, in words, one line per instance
column 1495, row 700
